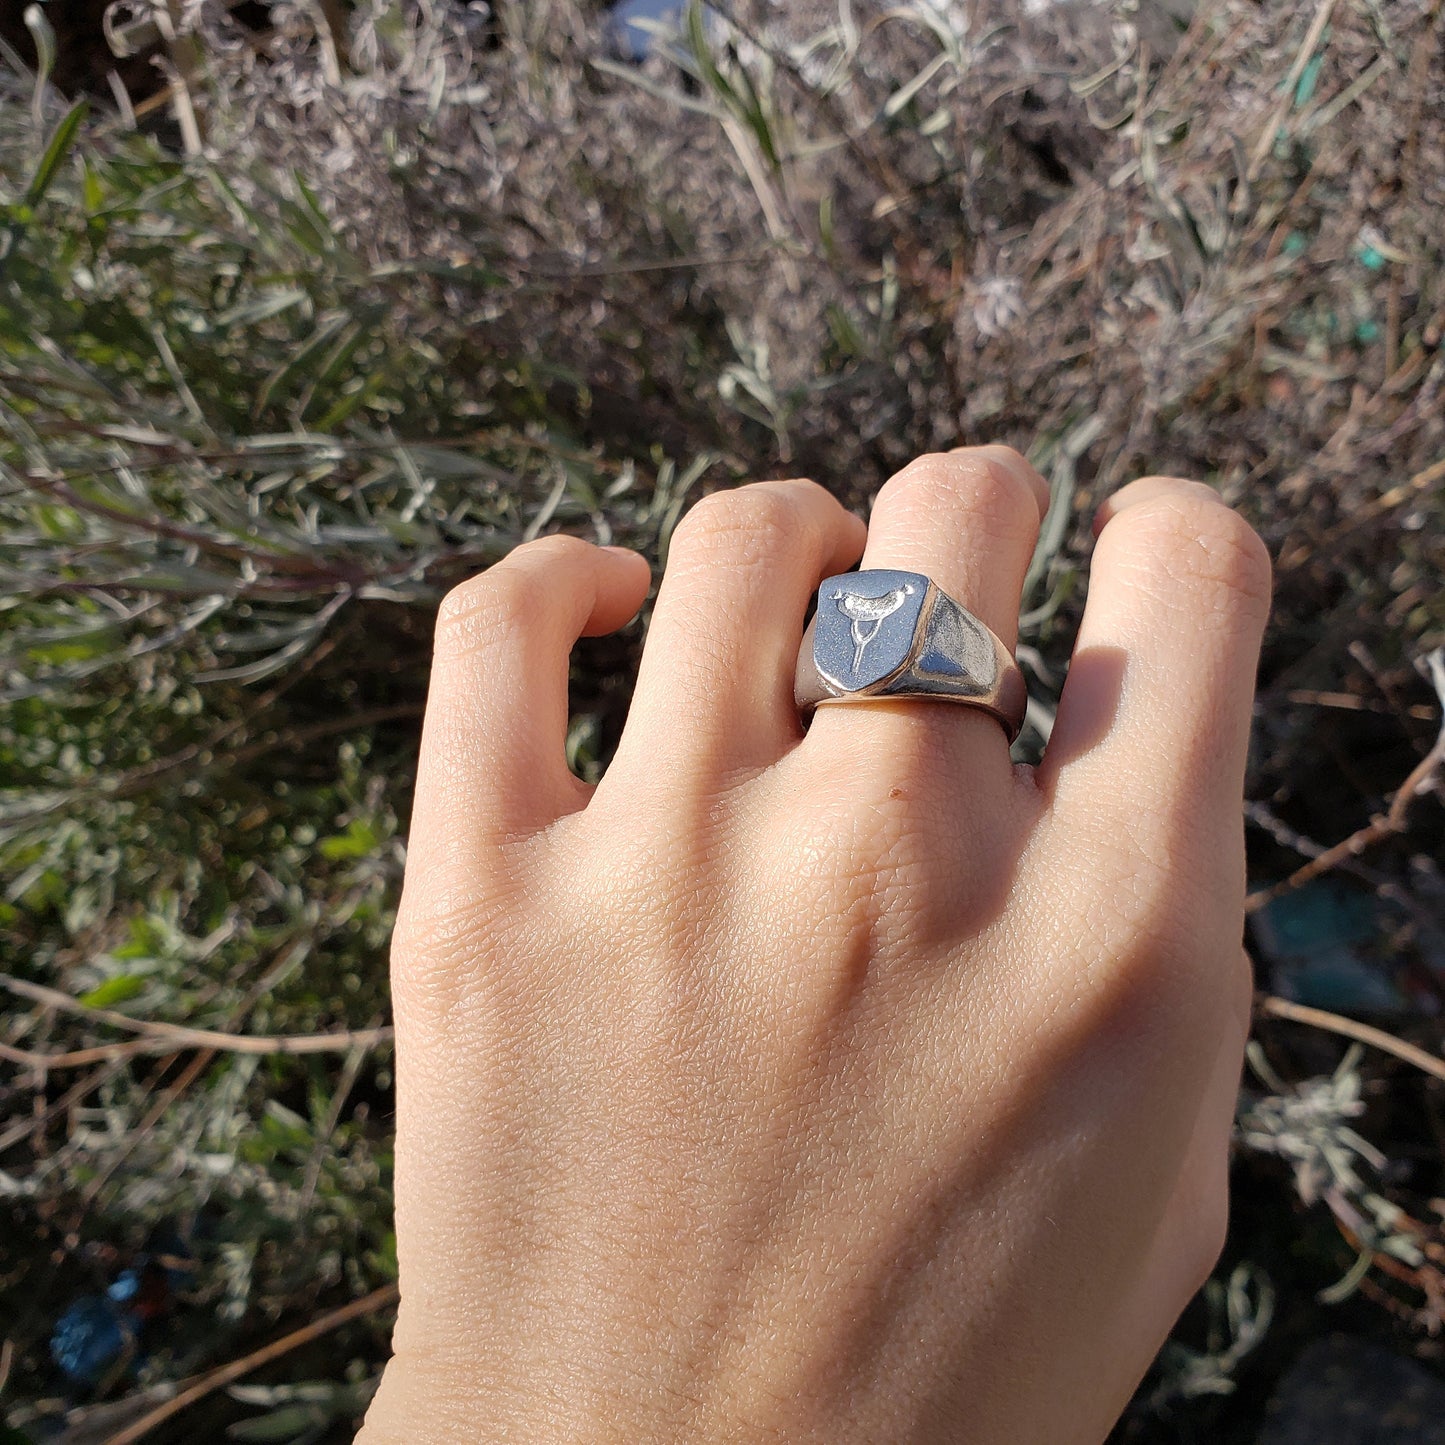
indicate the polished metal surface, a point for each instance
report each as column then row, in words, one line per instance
column 887, row 634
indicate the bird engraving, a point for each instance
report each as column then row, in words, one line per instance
column 863, row 610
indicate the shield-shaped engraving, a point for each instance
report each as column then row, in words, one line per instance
column 865, row 626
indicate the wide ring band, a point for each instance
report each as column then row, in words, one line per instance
column 887, row 634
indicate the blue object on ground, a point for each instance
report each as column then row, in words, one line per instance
column 1323, row 942
column 98, row 1331
column 95, row 1332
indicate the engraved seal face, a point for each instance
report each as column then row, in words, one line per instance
column 866, row 625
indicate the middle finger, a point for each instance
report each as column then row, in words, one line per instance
column 714, row 695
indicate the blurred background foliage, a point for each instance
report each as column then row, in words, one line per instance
column 310, row 310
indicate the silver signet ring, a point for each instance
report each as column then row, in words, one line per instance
column 886, row 634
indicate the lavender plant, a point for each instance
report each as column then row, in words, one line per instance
column 363, row 301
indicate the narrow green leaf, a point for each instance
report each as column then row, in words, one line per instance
column 353, row 395
column 846, row 335
column 280, row 380
column 481, row 276
column 304, row 227
column 92, row 192
column 113, row 991
column 290, row 1422
column 57, row 654
column 334, row 363
column 633, row 76
column 696, row 27
column 60, row 524
column 323, row 221
column 454, row 461
column 55, row 153
column 357, row 841
column 260, row 308
column 1309, row 79
column 181, row 580
column 755, row 115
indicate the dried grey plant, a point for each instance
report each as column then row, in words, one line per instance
column 1307, row 1126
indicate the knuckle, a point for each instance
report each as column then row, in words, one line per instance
column 984, row 482
column 503, row 597
column 445, row 933
column 556, row 547
column 1159, row 933
column 480, row 612
column 438, row 924
column 1201, row 542
column 424, row 967
column 1005, row 470
column 743, row 525
column 463, row 600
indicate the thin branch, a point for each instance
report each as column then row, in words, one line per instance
column 164, row 1038
column 344, row 1085
column 200, row 1061
column 1412, row 487
column 43, row 1116
column 1422, row 776
column 1352, row 702
column 213, row 1380
column 79, row 1058
column 134, row 780
column 1283, row 1008
column 1302, row 58
column 634, row 268
column 161, row 526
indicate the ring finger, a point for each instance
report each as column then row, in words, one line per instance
column 969, row 520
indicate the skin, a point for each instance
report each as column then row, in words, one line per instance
column 851, row 1086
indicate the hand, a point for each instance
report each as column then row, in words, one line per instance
column 855, row 1086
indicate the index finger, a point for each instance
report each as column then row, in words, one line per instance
column 492, row 765
column 1153, row 725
